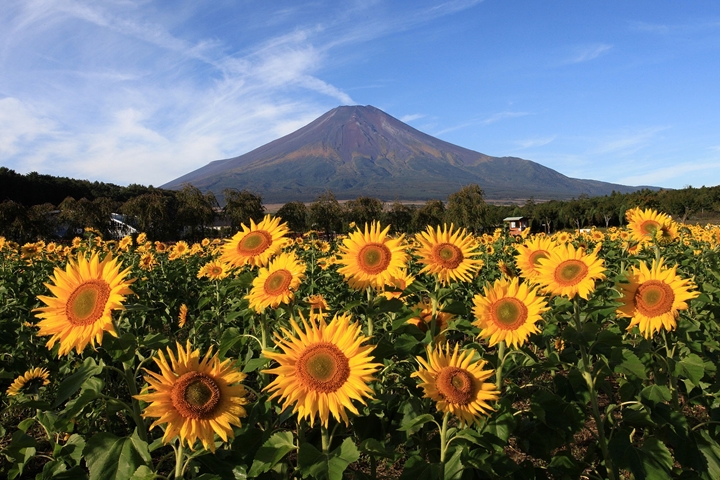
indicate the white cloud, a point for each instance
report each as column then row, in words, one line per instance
column 587, row 53
column 628, row 142
column 411, row 117
column 535, row 141
column 502, row 116
column 663, row 175
column 19, row 125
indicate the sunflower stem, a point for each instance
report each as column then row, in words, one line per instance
column 179, row 464
column 590, row 381
column 325, row 435
column 136, row 413
column 500, row 365
column 444, row 443
column 368, row 315
column 671, row 375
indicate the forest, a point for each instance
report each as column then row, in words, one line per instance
column 35, row 206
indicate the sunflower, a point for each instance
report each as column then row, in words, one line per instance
column 570, row 272
column 562, row 237
column 147, row 261
column 30, row 250
column 508, row 312
column 125, row 243
column 86, row 293
column 447, row 253
column 398, row 285
column 530, row 253
column 29, row 382
column 195, row 398
column 372, row 259
column 323, row 368
column 255, row 245
column 424, row 318
column 654, row 296
column 182, row 316
column 457, row 383
column 214, row 270
column 318, row 305
column 646, row 225
column 277, row 283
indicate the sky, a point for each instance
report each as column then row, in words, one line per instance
column 140, row 91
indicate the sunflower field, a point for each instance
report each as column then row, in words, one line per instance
column 439, row 355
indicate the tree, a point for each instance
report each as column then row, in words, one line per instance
column 242, row 206
column 399, row 216
column 431, row 214
column 150, row 213
column 467, row 208
column 195, row 210
column 326, row 213
column 295, row 214
column 364, row 210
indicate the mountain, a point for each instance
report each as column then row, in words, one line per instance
column 361, row 150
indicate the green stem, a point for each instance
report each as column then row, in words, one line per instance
column 444, row 443
column 368, row 314
column 136, row 413
column 671, row 375
column 179, row 457
column 500, row 364
column 325, row 435
column 590, row 381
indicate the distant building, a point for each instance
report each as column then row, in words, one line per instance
column 516, row 225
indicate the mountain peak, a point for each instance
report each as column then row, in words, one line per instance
column 360, row 150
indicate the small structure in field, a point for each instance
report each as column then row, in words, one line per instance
column 516, row 225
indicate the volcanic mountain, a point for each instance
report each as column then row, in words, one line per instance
column 362, row 151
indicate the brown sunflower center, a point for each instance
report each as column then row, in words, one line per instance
column 195, row 395
column 649, row 227
column 87, row 302
column 278, row 282
column 456, row 385
column 537, row 255
column 654, row 298
column 509, row 313
column 216, row 270
column 374, row 258
column 254, row 243
column 323, row 367
column 447, row 255
column 570, row 272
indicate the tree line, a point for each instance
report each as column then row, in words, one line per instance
column 37, row 206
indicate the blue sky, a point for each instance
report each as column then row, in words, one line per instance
column 135, row 91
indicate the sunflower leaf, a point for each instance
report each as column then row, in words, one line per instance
column 109, row 457
column 330, row 466
column 72, row 384
column 271, row 452
column 413, row 425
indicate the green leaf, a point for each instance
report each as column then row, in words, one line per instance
column 454, row 466
column 656, row 393
column 413, row 425
column 455, row 308
column 109, row 457
column 72, row 384
column 693, row 368
column 229, row 338
column 155, row 341
column 711, row 451
column 143, row 473
column 628, row 364
column 271, row 452
column 656, row 459
column 255, row 364
column 375, row 448
column 416, row 468
column 72, row 449
column 321, row 466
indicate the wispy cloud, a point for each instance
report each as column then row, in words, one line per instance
column 587, row 53
column 535, row 142
column 133, row 97
column 659, row 176
column 411, row 117
column 496, row 117
column 627, row 142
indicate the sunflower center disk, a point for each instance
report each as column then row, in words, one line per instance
column 536, row 256
column 448, row 255
column 570, row 272
column 654, row 298
column 254, row 243
column 374, row 258
column 87, row 303
column 456, row 385
column 323, row 368
column 278, row 282
column 649, row 228
column 509, row 313
column 195, row 395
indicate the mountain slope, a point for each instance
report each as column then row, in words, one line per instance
column 356, row 150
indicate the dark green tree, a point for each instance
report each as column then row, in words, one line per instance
column 467, row 208
column 326, row 213
column 296, row 216
column 241, row 206
column 431, row 214
column 399, row 216
column 363, row 210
